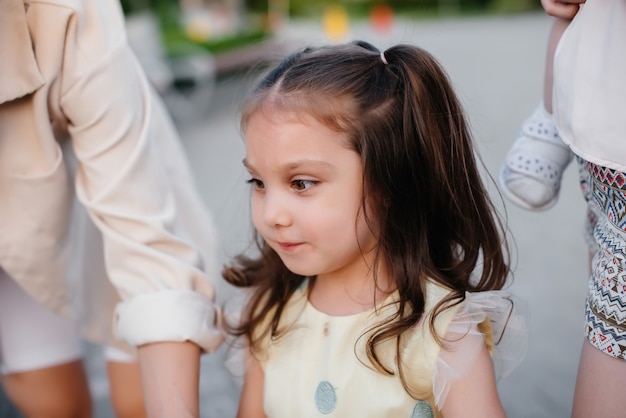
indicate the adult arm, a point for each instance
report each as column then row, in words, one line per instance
column 558, row 27
column 169, row 378
column 133, row 180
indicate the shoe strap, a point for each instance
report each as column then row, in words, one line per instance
column 540, row 126
column 537, row 167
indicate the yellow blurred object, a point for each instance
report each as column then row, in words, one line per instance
column 336, row 23
column 198, row 30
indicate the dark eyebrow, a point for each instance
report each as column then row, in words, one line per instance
column 304, row 163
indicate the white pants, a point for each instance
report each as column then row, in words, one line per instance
column 33, row 337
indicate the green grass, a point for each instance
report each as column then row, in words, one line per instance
column 177, row 43
column 513, row 6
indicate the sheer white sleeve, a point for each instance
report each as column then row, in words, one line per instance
column 463, row 339
column 238, row 348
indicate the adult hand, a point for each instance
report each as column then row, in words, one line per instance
column 564, row 9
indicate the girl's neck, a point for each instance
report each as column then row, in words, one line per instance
column 342, row 297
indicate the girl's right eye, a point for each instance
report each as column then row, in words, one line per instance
column 256, row 183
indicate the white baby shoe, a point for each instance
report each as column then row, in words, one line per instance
column 531, row 174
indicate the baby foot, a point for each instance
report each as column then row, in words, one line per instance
column 531, row 174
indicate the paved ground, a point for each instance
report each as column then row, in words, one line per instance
column 496, row 64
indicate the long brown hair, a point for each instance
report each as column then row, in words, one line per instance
column 430, row 210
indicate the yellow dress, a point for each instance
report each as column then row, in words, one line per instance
column 319, row 367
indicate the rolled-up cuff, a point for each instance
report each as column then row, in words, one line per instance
column 169, row 315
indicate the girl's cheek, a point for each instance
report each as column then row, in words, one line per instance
column 254, row 212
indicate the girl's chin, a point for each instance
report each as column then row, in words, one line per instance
column 300, row 270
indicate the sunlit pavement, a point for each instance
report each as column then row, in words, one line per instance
column 496, row 64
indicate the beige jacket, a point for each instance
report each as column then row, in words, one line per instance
column 71, row 88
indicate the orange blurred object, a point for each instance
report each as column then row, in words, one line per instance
column 381, row 18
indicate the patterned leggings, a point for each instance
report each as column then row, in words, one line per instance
column 605, row 308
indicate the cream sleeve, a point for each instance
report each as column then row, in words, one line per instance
column 133, row 178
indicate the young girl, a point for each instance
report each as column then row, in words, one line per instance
column 373, row 219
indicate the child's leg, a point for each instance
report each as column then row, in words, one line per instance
column 125, row 384
column 43, row 373
column 532, row 172
column 602, row 368
column 600, row 385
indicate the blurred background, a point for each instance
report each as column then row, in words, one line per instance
column 202, row 55
column 186, row 44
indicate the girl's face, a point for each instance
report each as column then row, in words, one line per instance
column 306, row 196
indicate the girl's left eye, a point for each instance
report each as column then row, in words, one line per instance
column 303, row 185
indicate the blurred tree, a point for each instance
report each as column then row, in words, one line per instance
column 515, row 5
column 130, row 6
column 314, row 7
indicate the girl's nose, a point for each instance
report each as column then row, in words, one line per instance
column 276, row 210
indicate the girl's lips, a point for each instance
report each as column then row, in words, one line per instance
column 289, row 246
